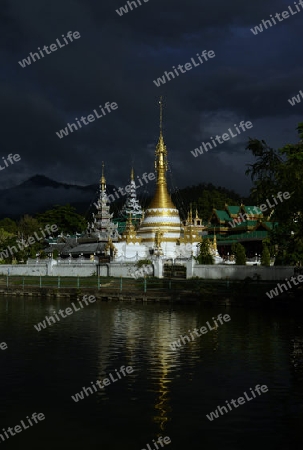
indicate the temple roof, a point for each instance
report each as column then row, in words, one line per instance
column 247, row 236
column 221, row 215
column 233, row 210
column 253, row 210
column 91, row 248
column 245, row 224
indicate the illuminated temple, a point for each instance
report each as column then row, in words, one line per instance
column 159, row 233
column 156, row 233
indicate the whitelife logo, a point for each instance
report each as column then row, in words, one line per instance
column 102, row 384
column 271, row 21
column 49, row 320
column 124, row 9
column 243, row 218
column 144, row 270
column 91, row 118
column 188, row 66
column 295, row 100
column 53, row 48
column 262, row 208
column 111, row 197
column 17, row 428
column 166, row 440
column 3, row 346
column 11, row 158
column 275, row 292
column 240, row 400
column 220, row 139
column 226, row 318
column 49, row 229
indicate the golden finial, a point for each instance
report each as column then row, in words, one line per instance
column 197, row 213
column 162, row 198
column 161, row 114
column 215, row 240
column 190, row 214
column 132, row 176
column 103, row 181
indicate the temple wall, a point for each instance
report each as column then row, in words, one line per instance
column 43, row 269
column 74, row 271
column 23, row 269
column 130, row 252
column 233, row 272
column 69, row 270
column 124, row 270
column 215, row 272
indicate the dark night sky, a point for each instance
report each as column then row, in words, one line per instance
column 116, row 60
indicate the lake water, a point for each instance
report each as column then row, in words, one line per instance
column 169, row 393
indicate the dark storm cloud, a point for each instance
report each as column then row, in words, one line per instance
column 116, row 60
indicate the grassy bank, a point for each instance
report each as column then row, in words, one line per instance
column 197, row 287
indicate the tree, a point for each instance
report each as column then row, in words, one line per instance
column 204, row 197
column 27, row 226
column 8, row 225
column 204, row 256
column 239, row 252
column 4, row 236
column 265, row 257
column 281, row 171
column 264, row 171
column 65, row 217
column 15, row 246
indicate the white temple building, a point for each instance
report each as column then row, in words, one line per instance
column 161, row 233
column 132, row 205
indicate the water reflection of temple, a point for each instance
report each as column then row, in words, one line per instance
column 152, row 336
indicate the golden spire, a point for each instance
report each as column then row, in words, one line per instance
column 161, row 114
column 197, row 213
column 132, row 176
column 190, row 215
column 162, row 198
column 215, row 240
column 103, row 180
column 129, row 234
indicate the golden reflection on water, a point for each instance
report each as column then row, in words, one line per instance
column 135, row 331
column 162, row 405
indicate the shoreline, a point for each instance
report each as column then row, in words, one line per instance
column 231, row 295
